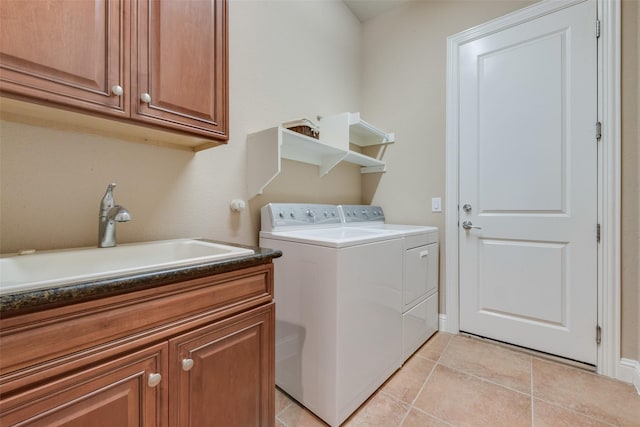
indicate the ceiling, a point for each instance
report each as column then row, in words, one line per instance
column 367, row 9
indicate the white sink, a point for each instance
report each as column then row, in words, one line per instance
column 48, row 269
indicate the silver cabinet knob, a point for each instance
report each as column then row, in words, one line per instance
column 187, row 364
column 145, row 97
column 154, row 380
column 468, row 225
column 117, row 90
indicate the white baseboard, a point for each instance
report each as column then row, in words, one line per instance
column 442, row 323
column 629, row 371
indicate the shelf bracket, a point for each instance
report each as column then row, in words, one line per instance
column 329, row 163
column 373, row 169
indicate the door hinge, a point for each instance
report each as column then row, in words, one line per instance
column 597, row 28
column 598, row 334
column 598, row 233
column 598, row 131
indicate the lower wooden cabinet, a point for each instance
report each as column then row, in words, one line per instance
column 209, row 368
column 223, row 374
column 116, row 393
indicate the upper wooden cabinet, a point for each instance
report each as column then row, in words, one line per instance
column 160, row 63
column 66, row 51
column 181, row 55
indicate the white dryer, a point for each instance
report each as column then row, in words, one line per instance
column 338, row 294
column 420, row 272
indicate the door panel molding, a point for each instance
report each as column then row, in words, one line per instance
column 609, row 362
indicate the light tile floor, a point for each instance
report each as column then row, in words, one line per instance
column 459, row 381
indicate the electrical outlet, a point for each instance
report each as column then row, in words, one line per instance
column 436, row 204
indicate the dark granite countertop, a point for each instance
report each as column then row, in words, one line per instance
column 34, row 300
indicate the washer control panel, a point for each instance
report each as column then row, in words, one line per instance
column 360, row 213
column 291, row 215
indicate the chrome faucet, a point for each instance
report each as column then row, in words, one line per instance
column 110, row 213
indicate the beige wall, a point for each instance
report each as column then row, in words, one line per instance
column 630, row 180
column 288, row 59
column 403, row 87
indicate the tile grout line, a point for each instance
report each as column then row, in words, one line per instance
column 433, row 416
column 472, row 375
column 487, row 380
column 411, row 405
column 533, row 421
column 397, row 399
column 286, row 407
column 573, row 411
column 423, row 358
column 567, row 406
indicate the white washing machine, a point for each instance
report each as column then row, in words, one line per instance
column 420, row 272
column 338, row 294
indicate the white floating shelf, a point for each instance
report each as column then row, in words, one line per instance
column 266, row 148
column 302, row 148
column 341, row 129
column 362, row 160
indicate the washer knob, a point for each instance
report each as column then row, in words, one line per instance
column 292, row 215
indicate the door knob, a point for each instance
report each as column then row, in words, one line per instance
column 466, row 207
column 468, row 225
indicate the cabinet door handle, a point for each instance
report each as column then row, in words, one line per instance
column 154, row 379
column 424, row 254
column 117, row 90
column 187, row 364
column 145, row 97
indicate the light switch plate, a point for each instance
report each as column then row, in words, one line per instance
column 436, row 204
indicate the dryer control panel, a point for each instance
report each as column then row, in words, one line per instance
column 280, row 216
column 360, row 213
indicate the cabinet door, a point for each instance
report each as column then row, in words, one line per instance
column 118, row 393
column 223, row 374
column 65, row 51
column 181, row 68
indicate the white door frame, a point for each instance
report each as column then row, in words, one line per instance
column 608, row 171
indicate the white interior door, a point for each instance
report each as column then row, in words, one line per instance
column 528, row 173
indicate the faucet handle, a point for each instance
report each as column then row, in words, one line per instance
column 107, row 200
